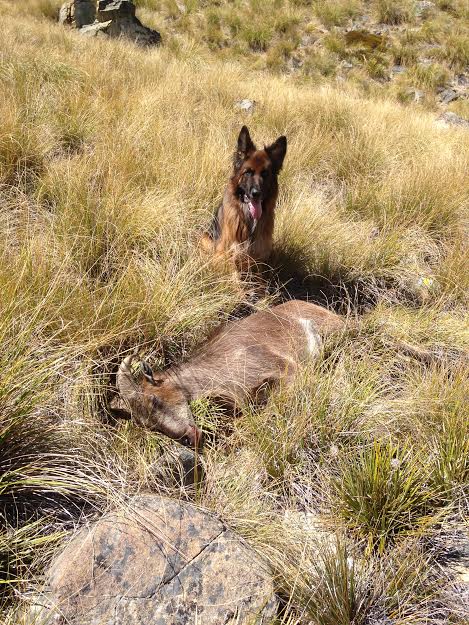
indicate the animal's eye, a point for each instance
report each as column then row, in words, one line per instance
column 248, row 172
column 264, row 173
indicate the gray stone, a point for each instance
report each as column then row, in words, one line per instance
column 451, row 119
column 448, row 95
column 398, row 69
column 296, row 62
column 115, row 9
column 159, row 561
column 189, row 467
column 462, row 80
column 423, row 8
column 183, row 464
column 416, row 95
column 97, row 29
column 112, row 18
column 77, row 13
column 246, row 105
column 124, row 23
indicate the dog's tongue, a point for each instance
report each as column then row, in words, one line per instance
column 255, row 208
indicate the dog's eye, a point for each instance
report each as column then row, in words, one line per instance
column 248, row 172
column 264, row 173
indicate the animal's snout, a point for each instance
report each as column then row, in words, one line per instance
column 193, row 437
column 255, row 193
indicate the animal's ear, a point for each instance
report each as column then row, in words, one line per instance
column 277, row 152
column 244, row 149
column 148, row 373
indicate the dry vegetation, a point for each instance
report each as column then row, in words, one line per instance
column 112, row 159
column 411, row 49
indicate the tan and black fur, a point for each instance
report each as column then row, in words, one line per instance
column 234, row 232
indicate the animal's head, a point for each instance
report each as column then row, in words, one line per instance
column 256, row 171
column 158, row 404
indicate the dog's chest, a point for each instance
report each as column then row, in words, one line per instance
column 260, row 242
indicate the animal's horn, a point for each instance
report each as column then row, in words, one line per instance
column 126, row 384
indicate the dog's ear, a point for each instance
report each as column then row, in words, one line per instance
column 277, row 152
column 244, row 149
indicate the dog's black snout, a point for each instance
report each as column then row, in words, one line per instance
column 255, row 193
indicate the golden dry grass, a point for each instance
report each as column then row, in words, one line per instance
column 112, row 160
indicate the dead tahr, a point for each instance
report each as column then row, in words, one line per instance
column 243, row 357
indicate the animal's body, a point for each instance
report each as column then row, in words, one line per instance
column 243, row 225
column 241, row 358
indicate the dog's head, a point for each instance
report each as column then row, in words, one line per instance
column 255, row 172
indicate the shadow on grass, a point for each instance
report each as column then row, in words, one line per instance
column 290, row 278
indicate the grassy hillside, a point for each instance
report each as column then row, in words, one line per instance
column 112, row 160
column 404, row 49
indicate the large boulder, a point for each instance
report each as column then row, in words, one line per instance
column 158, row 562
column 112, row 18
column 77, row 13
column 121, row 21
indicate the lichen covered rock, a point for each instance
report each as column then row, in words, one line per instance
column 162, row 562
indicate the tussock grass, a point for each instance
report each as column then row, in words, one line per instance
column 383, row 492
column 305, row 38
column 337, row 13
column 391, row 12
column 112, row 160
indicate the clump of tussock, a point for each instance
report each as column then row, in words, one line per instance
column 382, row 492
column 391, row 12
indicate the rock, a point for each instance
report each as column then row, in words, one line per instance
column 123, row 23
column 296, row 62
column 114, row 18
column 423, row 8
column 308, row 39
column 398, row 69
column 448, row 95
column 96, row 29
column 162, row 562
column 246, row 105
column 462, row 80
column 77, row 13
column 182, row 464
column 415, row 95
column 451, row 119
column 115, row 9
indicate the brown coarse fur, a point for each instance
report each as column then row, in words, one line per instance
column 242, row 358
column 235, row 234
column 258, row 350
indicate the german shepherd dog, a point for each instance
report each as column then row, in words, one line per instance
column 243, row 225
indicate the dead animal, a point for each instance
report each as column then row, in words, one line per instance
column 242, row 358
